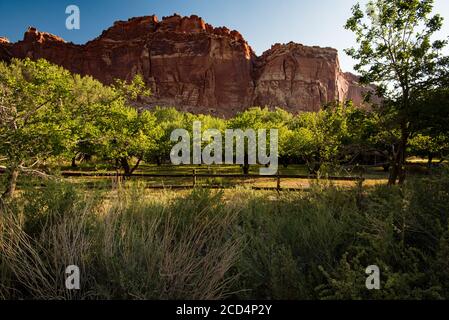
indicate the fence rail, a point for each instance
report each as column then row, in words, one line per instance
column 195, row 176
column 207, row 175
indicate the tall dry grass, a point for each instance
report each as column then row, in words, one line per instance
column 128, row 247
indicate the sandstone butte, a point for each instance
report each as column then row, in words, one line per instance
column 195, row 67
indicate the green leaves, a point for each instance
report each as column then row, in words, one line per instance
column 394, row 44
column 133, row 90
column 35, row 108
column 396, row 53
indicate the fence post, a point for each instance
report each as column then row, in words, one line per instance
column 194, row 178
column 362, row 177
column 278, row 179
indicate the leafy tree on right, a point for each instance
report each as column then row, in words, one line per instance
column 396, row 52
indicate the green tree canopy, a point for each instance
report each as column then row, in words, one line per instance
column 35, row 113
column 396, row 51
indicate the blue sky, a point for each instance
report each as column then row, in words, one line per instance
column 262, row 22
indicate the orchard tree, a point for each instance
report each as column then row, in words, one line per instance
column 319, row 137
column 301, row 144
column 261, row 118
column 92, row 105
column 430, row 147
column 168, row 120
column 431, row 110
column 131, row 135
column 109, row 126
column 35, row 116
column 396, row 52
column 128, row 133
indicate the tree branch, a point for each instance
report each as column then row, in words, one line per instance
column 32, row 112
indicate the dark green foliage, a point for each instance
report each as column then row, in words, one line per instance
column 404, row 232
column 319, row 246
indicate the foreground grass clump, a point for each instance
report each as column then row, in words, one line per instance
column 127, row 247
column 133, row 244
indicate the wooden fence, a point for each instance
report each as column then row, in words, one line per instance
column 194, row 176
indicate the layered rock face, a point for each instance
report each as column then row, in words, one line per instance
column 303, row 78
column 198, row 68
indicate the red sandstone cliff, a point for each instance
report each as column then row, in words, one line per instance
column 195, row 67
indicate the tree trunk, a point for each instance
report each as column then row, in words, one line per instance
column 403, row 154
column 136, row 165
column 313, row 166
column 74, row 162
column 11, row 183
column 245, row 168
column 394, row 172
column 398, row 170
column 126, row 168
column 429, row 163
